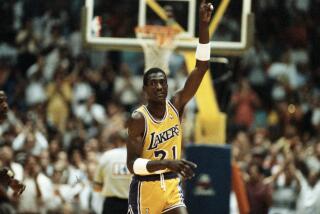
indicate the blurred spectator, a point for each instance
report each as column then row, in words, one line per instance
column 112, row 177
column 59, row 95
column 259, row 193
column 90, row 112
column 35, row 90
column 91, row 201
column 286, row 188
column 45, row 163
column 285, row 71
column 7, row 160
column 28, row 46
column 38, row 196
column 244, row 102
column 7, row 198
column 309, row 197
column 103, row 83
column 127, row 88
column 116, row 120
column 30, row 140
column 313, row 161
column 82, row 90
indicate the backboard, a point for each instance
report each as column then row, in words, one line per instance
column 109, row 25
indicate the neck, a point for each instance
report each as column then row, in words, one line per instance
column 157, row 109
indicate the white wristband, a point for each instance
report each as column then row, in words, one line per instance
column 203, row 52
column 140, row 166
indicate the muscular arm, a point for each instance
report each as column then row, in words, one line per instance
column 136, row 125
column 193, row 82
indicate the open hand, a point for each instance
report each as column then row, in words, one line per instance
column 206, row 11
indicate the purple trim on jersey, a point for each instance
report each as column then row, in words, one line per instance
column 152, row 118
column 174, row 108
column 181, row 193
column 134, row 196
column 156, row 177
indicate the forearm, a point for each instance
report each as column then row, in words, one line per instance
column 203, row 32
column 147, row 167
column 155, row 165
column 151, row 166
column 192, row 84
column 202, row 65
column 203, row 39
column 203, row 49
column 202, row 58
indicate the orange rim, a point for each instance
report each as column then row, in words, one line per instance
column 162, row 34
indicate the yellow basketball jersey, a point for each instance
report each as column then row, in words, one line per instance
column 162, row 138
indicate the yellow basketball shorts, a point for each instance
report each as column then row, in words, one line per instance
column 152, row 195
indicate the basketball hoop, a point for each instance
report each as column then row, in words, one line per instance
column 158, row 44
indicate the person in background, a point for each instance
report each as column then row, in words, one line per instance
column 259, row 193
column 39, row 192
column 7, row 178
column 112, row 177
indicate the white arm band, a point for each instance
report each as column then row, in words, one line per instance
column 140, row 167
column 203, row 52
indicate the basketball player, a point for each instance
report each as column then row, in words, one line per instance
column 154, row 147
column 6, row 175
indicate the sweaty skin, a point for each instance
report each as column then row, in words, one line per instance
column 156, row 90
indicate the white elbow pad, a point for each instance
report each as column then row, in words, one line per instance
column 140, row 166
column 203, row 52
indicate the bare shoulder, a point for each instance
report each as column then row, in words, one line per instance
column 176, row 101
column 136, row 124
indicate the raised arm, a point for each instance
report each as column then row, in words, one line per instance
column 140, row 166
column 192, row 84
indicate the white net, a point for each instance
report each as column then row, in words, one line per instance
column 158, row 45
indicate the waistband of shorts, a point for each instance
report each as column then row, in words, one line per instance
column 113, row 198
column 156, row 177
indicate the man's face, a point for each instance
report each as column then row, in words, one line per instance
column 254, row 173
column 3, row 106
column 157, row 87
column 6, row 154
